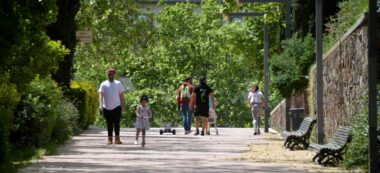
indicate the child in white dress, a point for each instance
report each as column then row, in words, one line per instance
column 143, row 114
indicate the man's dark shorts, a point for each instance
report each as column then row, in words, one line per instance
column 201, row 111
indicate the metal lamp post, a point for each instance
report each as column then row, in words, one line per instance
column 319, row 59
column 372, row 82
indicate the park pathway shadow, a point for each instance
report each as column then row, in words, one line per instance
column 88, row 152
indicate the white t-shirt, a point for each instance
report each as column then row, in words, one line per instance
column 111, row 91
column 255, row 97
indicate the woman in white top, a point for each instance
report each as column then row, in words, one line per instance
column 256, row 101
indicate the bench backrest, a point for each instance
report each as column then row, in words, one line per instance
column 341, row 136
column 306, row 125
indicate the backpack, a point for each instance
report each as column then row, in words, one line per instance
column 185, row 92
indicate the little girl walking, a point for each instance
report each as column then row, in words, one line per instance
column 143, row 114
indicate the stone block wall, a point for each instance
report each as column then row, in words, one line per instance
column 277, row 117
column 297, row 100
column 345, row 75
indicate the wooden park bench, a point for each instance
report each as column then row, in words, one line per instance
column 294, row 139
column 331, row 153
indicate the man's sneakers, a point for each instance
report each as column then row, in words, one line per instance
column 136, row 142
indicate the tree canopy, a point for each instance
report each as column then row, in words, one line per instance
column 156, row 52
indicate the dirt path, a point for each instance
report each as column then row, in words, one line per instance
column 162, row 153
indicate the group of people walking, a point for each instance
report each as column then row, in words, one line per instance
column 199, row 99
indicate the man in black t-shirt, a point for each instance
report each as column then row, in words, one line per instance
column 200, row 100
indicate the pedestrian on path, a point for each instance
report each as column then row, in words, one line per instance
column 143, row 114
column 111, row 104
column 200, row 103
column 183, row 99
column 256, row 102
column 212, row 115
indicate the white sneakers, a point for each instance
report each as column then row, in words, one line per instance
column 136, row 142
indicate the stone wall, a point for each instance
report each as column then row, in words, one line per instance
column 345, row 75
column 277, row 117
column 297, row 100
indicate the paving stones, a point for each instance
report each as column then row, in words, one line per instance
column 88, row 152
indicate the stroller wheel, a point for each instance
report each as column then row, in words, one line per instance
column 173, row 132
column 161, row 132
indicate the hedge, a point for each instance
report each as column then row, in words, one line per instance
column 8, row 101
column 85, row 98
column 36, row 113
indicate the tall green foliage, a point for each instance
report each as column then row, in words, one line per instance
column 120, row 32
column 85, row 98
column 25, row 48
column 290, row 68
column 357, row 153
column 36, row 114
column 26, row 51
column 8, row 102
column 185, row 40
column 350, row 10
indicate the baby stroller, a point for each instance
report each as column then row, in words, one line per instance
column 212, row 121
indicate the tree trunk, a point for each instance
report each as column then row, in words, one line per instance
column 64, row 30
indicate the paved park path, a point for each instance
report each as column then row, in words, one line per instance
column 162, row 153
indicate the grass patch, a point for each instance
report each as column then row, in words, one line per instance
column 271, row 150
column 22, row 157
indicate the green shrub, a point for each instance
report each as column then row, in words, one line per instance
column 67, row 122
column 290, row 68
column 8, row 102
column 349, row 12
column 36, row 114
column 85, row 98
column 356, row 155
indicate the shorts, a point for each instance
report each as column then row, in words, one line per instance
column 201, row 111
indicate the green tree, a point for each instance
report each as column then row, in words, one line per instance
column 120, row 33
column 25, row 52
column 187, row 40
column 290, row 68
column 67, row 10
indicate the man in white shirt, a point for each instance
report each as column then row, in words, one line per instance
column 256, row 101
column 111, row 104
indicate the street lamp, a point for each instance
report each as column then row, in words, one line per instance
column 266, row 61
column 319, row 78
column 373, row 60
